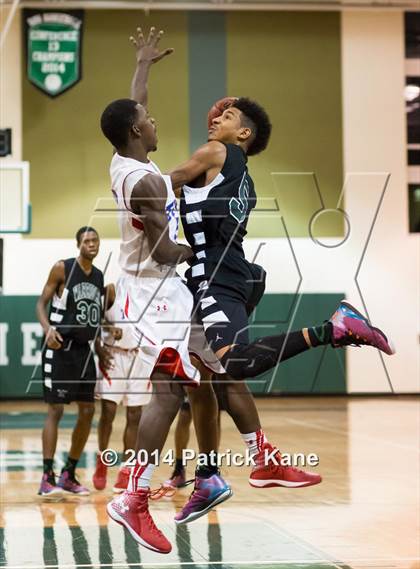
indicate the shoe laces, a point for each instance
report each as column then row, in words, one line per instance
column 160, row 492
column 356, row 341
column 194, row 494
column 148, row 518
column 144, row 507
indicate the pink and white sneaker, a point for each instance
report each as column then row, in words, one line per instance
column 71, row 485
column 351, row 328
column 269, row 472
column 48, row 488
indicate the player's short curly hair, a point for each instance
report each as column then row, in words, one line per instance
column 117, row 120
column 256, row 118
column 82, row 231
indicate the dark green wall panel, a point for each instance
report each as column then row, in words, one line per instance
column 320, row 370
column 316, row 371
column 207, row 69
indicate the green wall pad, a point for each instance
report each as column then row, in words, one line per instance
column 321, row 370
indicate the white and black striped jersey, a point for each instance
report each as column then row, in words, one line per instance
column 215, row 217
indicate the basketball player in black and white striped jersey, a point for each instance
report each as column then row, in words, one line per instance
column 217, row 198
column 74, row 290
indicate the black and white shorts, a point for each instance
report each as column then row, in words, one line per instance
column 69, row 373
column 221, row 319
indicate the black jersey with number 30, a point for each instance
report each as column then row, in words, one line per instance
column 78, row 312
column 214, row 218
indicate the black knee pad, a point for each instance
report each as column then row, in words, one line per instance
column 243, row 361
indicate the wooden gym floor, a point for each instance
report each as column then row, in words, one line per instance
column 365, row 514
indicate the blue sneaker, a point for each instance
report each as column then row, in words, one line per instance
column 207, row 493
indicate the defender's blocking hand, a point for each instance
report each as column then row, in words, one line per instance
column 147, row 50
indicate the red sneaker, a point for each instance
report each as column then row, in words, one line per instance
column 268, row 472
column 122, row 480
column 131, row 510
column 99, row 476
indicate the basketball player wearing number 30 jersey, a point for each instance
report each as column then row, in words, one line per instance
column 74, row 290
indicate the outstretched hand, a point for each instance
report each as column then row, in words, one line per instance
column 147, row 50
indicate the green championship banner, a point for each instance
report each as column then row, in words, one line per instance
column 53, row 49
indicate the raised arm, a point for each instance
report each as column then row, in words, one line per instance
column 55, row 279
column 147, row 53
column 148, row 200
column 208, row 159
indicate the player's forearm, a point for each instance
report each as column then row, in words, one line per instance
column 182, row 176
column 98, row 344
column 172, row 254
column 139, row 83
column 42, row 315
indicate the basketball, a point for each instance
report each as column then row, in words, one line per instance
column 218, row 108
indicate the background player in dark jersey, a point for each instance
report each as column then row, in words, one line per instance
column 74, row 290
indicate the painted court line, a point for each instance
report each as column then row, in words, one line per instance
column 338, row 564
column 308, row 547
column 347, row 434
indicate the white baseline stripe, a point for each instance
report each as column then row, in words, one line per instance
column 244, row 563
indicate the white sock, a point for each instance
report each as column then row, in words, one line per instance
column 254, row 441
column 140, row 477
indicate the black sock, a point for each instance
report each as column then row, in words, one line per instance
column 70, row 466
column 209, row 468
column 48, row 466
column 320, row 335
column 249, row 360
column 179, row 467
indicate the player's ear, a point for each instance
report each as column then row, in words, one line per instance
column 245, row 134
column 136, row 131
